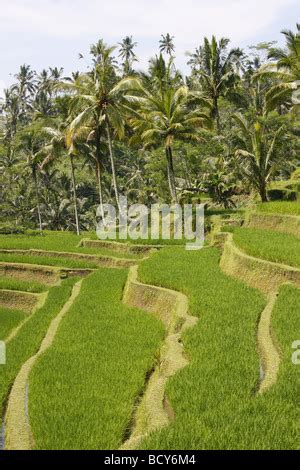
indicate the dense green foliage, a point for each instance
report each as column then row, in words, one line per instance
column 226, row 134
column 84, row 388
column 273, row 246
column 70, row 144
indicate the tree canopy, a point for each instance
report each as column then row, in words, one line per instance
column 222, row 133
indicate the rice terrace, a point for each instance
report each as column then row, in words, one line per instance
column 127, row 338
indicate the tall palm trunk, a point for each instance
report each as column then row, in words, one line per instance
column 171, row 174
column 74, row 194
column 34, row 173
column 112, row 163
column 263, row 191
column 99, row 171
column 216, row 114
column 99, row 179
column 188, row 180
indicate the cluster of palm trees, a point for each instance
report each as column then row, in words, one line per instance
column 229, row 98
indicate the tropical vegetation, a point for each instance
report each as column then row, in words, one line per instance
column 226, row 131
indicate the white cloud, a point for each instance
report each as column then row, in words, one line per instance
column 2, row 88
column 43, row 32
column 238, row 19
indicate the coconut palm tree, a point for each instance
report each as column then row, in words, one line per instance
column 285, row 71
column 195, row 59
column 288, row 59
column 25, row 89
column 216, row 68
column 43, row 97
column 100, row 105
column 29, row 141
column 167, row 44
column 95, row 150
column 258, row 154
column 165, row 114
column 10, row 107
column 127, row 55
column 25, row 80
column 61, row 141
column 56, row 73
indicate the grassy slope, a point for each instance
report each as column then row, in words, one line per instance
column 46, row 261
column 272, row 420
column 213, row 399
column 269, row 245
column 284, row 207
column 26, row 343
column 82, row 391
column 148, row 241
column 9, row 319
column 275, row 416
column 26, row 286
column 222, row 347
column 56, row 241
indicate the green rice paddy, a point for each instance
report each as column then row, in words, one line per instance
column 272, row 246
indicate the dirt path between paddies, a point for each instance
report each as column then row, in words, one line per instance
column 18, row 434
column 269, row 353
column 10, row 337
column 153, row 411
column 267, row 277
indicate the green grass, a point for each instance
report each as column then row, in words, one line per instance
column 56, row 241
column 83, row 390
column 224, row 366
column 275, row 416
column 28, row 339
column 228, row 229
column 68, row 242
column 214, row 398
column 26, row 286
column 46, row 261
column 269, row 245
column 9, row 319
column 283, row 207
column 148, row 241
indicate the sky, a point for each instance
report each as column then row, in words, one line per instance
column 46, row 33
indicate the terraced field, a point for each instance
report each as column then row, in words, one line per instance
column 282, row 207
column 46, row 260
column 9, row 319
column 135, row 340
column 215, row 399
column 19, row 285
column 267, row 244
column 88, row 381
column 56, row 241
column 152, row 349
column 28, row 336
